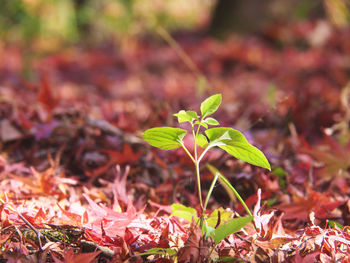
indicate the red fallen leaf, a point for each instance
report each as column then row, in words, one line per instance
column 4, row 238
column 45, row 182
column 9, row 132
column 7, row 168
column 253, row 199
column 271, row 233
column 310, row 258
column 24, row 120
column 114, row 223
column 165, row 208
column 119, row 187
column 195, row 250
column 70, row 257
column 129, row 238
column 98, row 171
column 46, row 96
column 160, row 162
column 76, row 219
column 40, row 215
column 334, row 158
column 126, row 156
column 85, row 218
column 164, row 238
column 313, row 201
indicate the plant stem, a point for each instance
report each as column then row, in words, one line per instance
column 203, row 153
column 196, row 163
column 242, row 202
column 210, row 191
column 199, row 189
column 197, row 170
column 195, row 142
column 188, row 153
column 227, row 183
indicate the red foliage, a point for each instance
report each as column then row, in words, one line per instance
column 62, row 137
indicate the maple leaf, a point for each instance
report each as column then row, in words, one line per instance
column 119, row 187
column 334, row 158
column 313, row 201
column 7, row 168
column 195, row 249
column 46, row 96
column 76, row 219
column 70, row 257
column 126, row 156
column 114, row 223
column 270, row 232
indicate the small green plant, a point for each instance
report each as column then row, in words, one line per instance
column 228, row 139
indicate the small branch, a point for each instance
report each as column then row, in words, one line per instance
column 203, row 153
column 188, row 152
column 210, row 190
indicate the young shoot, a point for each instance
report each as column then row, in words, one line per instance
column 228, row 139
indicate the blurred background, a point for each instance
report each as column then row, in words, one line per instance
column 277, row 60
column 51, row 24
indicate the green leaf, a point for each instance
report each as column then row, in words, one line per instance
column 210, row 105
column 166, row 138
column 333, row 224
column 192, row 114
column 234, row 143
column 201, row 124
column 183, row 116
column 230, row 227
column 211, row 121
column 184, row 212
column 208, row 230
column 158, row 251
column 225, row 215
column 218, row 136
column 202, row 141
column 226, row 259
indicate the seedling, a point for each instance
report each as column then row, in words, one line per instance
column 228, row 139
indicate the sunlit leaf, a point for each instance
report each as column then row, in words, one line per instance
column 334, row 224
column 234, row 143
column 158, row 251
column 225, row 215
column 203, row 124
column 184, row 212
column 218, row 136
column 202, row 141
column 183, row 116
column 166, row 138
column 192, row 114
column 230, row 227
column 211, row 121
column 210, row 105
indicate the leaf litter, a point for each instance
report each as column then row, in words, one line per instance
column 79, row 184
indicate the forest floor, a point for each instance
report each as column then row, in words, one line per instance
column 75, row 171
